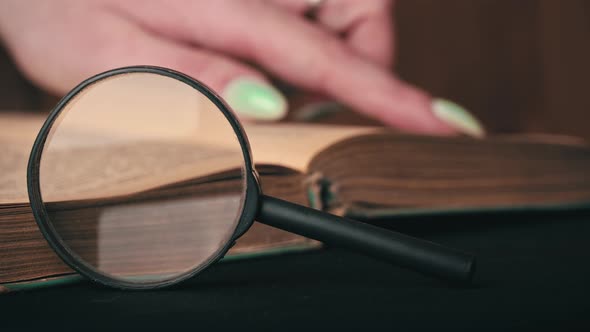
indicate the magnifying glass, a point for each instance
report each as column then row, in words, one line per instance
column 142, row 177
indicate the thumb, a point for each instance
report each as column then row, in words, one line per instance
column 244, row 88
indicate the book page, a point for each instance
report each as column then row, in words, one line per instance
column 88, row 168
column 17, row 133
column 389, row 173
column 287, row 145
column 294, row 145
column 140, row 211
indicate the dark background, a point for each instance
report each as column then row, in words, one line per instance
column 533, row 273
column 520, row 66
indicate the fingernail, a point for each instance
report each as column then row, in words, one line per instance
column 316, row 110
column 457, row 117
column 255, row 99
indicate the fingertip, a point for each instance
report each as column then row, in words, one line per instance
column 245, row 89
column 255, row 99
column 457, row 117
column 439, row 117
column 408, row 108
column 416, row 118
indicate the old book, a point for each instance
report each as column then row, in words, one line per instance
column 356, row 171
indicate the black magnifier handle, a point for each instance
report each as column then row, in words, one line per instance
column 406, row 251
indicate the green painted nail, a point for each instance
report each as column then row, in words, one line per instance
column 457, row 117
column 255, row 99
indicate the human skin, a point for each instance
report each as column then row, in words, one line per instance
column 345, row 53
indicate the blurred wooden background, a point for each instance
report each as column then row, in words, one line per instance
column 520, row 66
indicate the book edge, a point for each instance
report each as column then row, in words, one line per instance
column 376, row 213
column 73, row 278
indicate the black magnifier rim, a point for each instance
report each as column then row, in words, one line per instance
column 249, row 206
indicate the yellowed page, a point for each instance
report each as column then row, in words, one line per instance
column 77, row 167
column 293, row 145
column 17, row 133
column 287, row 145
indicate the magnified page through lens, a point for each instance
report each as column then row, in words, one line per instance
column 130, row 176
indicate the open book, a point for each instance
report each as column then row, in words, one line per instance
column 361, row 172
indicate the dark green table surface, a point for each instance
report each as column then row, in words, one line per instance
column 533, row 274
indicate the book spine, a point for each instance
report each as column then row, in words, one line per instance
column 322, row 194
column 313, row 188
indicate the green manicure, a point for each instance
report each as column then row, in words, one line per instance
column 255, row 99
column 457, row 117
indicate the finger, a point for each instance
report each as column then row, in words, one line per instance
column 366, row 25
column 246, row 89
column 298, row 7
column 300, row 53
column 373, row 39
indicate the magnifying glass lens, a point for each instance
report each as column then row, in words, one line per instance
column 128, row 178
column 141, row 177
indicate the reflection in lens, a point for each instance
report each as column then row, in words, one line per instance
column 128, row 177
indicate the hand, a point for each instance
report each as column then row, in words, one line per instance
column 61, row 42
